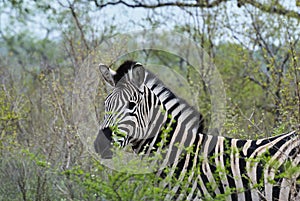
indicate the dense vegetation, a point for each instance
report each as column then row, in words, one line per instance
column 44, row 46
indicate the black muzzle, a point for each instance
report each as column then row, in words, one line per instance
column 103, row 144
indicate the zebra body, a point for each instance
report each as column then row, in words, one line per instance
column 141, row 107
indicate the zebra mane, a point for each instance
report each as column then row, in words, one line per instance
column 150, row 80
column 123, row 70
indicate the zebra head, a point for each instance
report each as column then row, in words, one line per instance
column 130, row 109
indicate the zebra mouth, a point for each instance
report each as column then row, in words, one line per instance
column 103, row 145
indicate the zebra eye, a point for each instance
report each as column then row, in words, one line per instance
column 131, row 105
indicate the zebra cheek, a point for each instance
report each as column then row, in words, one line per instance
column 102, row 144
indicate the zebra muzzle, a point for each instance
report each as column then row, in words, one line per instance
column 103, row 145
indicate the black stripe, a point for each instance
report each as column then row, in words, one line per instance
column 162, row 91
column 170, row 97
column 173, row 107
column 153, row 87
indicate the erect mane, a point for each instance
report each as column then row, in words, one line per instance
column 123, row 70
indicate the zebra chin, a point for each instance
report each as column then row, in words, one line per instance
column 103, row 145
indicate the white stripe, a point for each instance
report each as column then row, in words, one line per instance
column 219, row 159
column 205, row 165
column 246, row 147
column 235, row 167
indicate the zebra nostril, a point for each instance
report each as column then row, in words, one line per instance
column 107, row 132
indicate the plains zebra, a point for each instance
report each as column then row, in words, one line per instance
column 140, row 106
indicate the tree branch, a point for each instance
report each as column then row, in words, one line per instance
column 276, row 8
column 80, row 27
column 200, row 3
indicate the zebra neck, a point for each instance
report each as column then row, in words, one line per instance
column 175, row 110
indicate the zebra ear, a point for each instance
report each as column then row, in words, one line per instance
column 138, row 75
column 108, row 74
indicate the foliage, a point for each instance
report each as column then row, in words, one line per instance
column 43, row 45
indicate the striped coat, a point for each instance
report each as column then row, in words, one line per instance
column 206, row 167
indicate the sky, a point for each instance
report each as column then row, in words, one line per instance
column 125, row 19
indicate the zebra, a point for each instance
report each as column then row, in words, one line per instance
column 141, row 107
